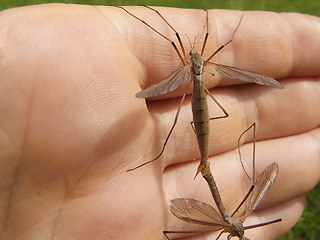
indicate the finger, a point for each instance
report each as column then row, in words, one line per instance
column 277, row 41
column 233, row 184
column 253, row 47
column 278, row 113
column 186, row 132
column 284, row 196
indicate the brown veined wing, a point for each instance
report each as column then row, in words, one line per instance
column 170, row 83
column 193, row 211
column 245, row 75
column 261, row 187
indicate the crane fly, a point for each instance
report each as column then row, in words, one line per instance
column 192, row 71
column 194, row 211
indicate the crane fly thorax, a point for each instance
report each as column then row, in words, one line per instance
column 236, row 229
column 197, row 62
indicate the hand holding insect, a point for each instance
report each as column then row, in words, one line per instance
column 71, row 125
column 196, row 212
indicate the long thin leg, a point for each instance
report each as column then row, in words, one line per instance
column 217, row 102
column 226, row 114
column 219, row 235
column 223, row 45
column 262, row 224
column 253, row 151
column 156, row 31
column 171, row 232
column 253, row 165
column 167, row 138
column 170, row 132
column 206, row 36
column 175, row 32
column 243, row 200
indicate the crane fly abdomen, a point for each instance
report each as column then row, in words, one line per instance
column 200, row 116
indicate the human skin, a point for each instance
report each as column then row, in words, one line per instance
column 71, row 125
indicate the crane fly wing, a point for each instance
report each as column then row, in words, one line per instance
column 193, row 211
column 245, row 75
column 170, row 83
column 261, row 187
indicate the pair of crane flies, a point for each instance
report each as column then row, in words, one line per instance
column 189, row 209
column 192, row 71
column 196, row 212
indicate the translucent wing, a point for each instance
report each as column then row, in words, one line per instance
column 245, row 75
column 197, row 212
column 170, row 83
column 262, row 186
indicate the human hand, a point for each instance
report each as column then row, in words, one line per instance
column 71, row 125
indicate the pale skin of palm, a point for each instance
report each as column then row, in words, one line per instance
column 71, row 125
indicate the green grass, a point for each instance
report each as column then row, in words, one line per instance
column 308, row 226
column 304, row 6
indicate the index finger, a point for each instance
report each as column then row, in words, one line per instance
column 278, row 45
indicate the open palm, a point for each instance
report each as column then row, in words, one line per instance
column 71, row 125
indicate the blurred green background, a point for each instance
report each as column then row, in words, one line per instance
column 304, row 6
column 308, row 227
